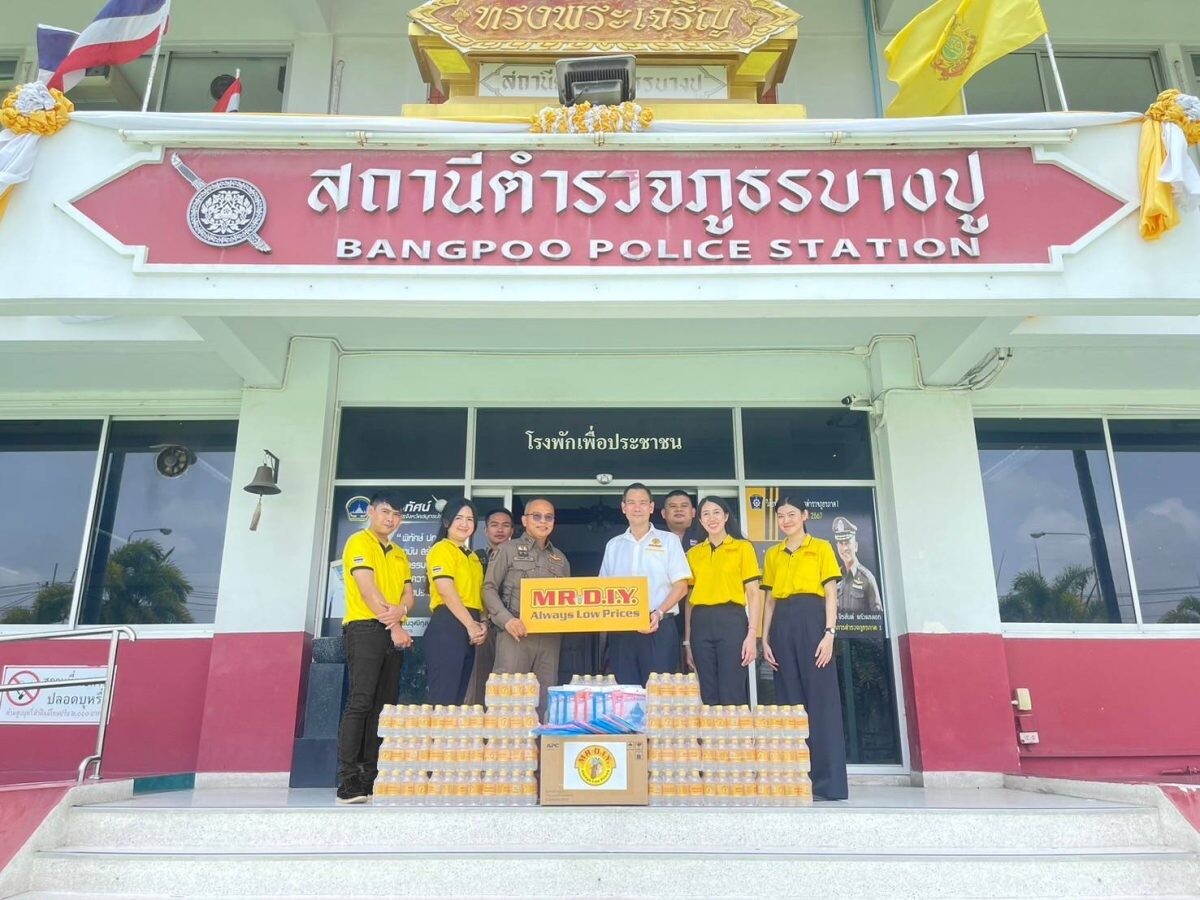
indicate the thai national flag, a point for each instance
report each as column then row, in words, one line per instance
column 53, row 45
column 232, row 98
column 123, row 31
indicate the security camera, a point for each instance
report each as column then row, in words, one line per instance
column 604, row 478
column 848, row 400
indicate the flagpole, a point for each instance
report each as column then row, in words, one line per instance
column 1062, row 95
column 154, row 59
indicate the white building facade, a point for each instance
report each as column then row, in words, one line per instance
column 1011, row 410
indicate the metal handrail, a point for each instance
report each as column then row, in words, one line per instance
column 115, row 633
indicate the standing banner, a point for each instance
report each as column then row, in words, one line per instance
column 844, row 516
column 422, row 510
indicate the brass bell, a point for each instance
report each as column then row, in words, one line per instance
column 266, row 478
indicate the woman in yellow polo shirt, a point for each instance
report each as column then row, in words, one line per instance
column 800, row 576
column 455, row 604
column 719, row 637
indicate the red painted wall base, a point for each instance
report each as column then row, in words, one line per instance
column 1110, row 708
column 253, row 702
column 22, row 810
column 957, row 703
column 223, row 704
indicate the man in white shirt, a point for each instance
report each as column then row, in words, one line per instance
column 645, row 550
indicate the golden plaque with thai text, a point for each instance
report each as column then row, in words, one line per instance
column 629, row 26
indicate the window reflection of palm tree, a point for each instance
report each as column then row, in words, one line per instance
column 1186, row 613
column 1062, row 599
column 51, row 605
column 142, row 586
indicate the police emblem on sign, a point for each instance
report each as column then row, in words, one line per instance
column 225, row 212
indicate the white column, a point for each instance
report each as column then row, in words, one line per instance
column 934, row 521
column 311, row 70
column 270, row 577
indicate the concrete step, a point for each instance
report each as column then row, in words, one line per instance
column 817, row 828
column 596, row 872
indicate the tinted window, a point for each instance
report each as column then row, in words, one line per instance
column 156, row 549
column 403, row 443
column 1052, row 517
column 189, row 85
column 1024, row 82
column 1158, row 465
column 46, row 473
column 629, row 444
column 806, row 443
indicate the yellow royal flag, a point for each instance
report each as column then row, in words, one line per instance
column 934, row 55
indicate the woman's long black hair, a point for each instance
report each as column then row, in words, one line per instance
column 452, row 508
column 732, row 528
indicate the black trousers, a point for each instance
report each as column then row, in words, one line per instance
column 449, row 657
column 633, row 656
column 718, row 633
column 373, row 666
column 797, row 626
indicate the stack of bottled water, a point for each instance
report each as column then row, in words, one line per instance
column 781, row 756
column 723, row 755
column 673, row 726
column 462, row 755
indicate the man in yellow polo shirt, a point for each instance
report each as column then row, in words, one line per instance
column 379, row 596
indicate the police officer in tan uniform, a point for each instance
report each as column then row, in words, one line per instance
column 529, row 556
column 858, row 592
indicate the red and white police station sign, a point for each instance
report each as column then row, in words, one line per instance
column 361, row 208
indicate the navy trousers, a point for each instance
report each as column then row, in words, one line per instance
column 633, row 656
column 449, row 658
column 718, row 633
column 797, row 626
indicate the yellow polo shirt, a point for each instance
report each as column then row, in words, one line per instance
column 447, row 559
column 806, row 571
column 720, row 574
column 391, row 568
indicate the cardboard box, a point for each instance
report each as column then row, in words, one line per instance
column 594, row 770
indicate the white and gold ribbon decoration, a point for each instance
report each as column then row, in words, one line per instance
column 1169, row 178
column 587, row 119
column 29, row 113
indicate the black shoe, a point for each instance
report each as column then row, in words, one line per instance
column 351, row 791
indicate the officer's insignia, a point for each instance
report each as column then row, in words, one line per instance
column 554, row 558
column 957, row 51
column 656, row 543
column 522, row 553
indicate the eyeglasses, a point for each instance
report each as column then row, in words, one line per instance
column 540, row 517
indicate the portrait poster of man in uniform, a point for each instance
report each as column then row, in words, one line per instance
column 859, row 600
column 844, row 516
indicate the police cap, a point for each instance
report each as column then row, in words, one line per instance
column 844, row 529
